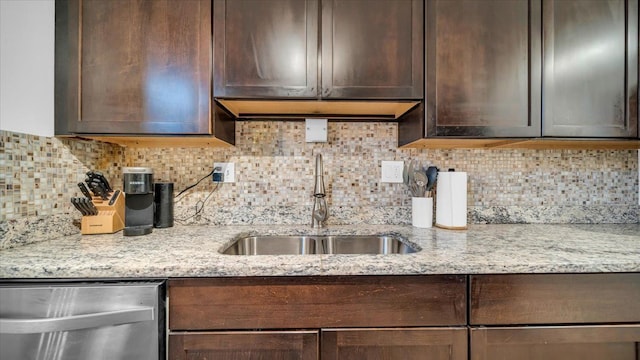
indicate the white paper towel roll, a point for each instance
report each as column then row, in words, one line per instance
column 451, row 200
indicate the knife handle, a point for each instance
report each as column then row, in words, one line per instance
column 84, row 190
column 76, row 204
column 104, row 180
column 84, row 204
column 92, row 208
column 99, row 189
column 114, row 197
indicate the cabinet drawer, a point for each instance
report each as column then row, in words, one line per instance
column 559, row 299
column 285, row 345
column 316, row 302
column 602, row 342
column 403, row 343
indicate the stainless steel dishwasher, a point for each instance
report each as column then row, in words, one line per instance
column 83, row 320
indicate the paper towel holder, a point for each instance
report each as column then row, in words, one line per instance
column 451, row 200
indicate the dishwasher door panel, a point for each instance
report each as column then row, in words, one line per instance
column 84, row 321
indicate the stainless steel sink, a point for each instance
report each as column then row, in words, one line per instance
column 318, row 244
column 365, row 244
column 272, row 245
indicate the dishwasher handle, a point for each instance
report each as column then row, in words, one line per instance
column 76, row 322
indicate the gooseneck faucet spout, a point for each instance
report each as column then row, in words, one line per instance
column 319, row 213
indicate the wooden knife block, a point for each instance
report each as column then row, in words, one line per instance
column 110, row 218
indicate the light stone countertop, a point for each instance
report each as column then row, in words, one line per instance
column 194, row 251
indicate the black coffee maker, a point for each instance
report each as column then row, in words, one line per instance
column 138, row 201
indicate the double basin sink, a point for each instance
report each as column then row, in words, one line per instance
column 318, row 244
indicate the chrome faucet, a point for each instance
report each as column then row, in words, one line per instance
column 319, row 213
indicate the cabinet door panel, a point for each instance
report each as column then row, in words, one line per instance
column 483, row 68
column 263, row 345
column 145, row 66
column 556, row 343
column 372, row 49
column 406, row 344
column 590, row 68
column 265, row 48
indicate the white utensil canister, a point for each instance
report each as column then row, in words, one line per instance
column 422, row 212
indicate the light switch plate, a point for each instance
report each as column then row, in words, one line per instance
column 392, row 171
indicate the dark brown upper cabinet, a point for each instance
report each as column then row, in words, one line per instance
column 590, row 85
column 281, row 49
column 523, row 73
column 483, row 68
column 372, row 49
column 139, row 67
column 265, row 48
column 483, row 71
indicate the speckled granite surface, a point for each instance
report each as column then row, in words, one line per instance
column 18, row 232
column 185, row 251
column 32, row 229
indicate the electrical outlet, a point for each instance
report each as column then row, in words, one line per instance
column 227, row 172
column 392, row 171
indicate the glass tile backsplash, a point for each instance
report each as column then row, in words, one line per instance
column 274, row 177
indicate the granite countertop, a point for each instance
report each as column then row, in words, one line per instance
column 194, row 251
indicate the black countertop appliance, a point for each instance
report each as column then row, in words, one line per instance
column 138, row 189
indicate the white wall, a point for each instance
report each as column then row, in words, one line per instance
column 27, row 66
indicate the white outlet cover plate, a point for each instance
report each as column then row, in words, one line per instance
column 392, row 171
column 229, row 170
column 316, row 130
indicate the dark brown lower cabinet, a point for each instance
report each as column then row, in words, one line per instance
column 254, row 345
column 318, row 317
column 619, row 342
column 388, row 344
column 495, row 317
column 555, row 316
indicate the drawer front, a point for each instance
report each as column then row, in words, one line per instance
column 395, row 343
column 284, row 345
column 557, row 298
column 602, row 342
column 316, row 302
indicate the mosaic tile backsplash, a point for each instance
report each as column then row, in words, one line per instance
column 40, row 174
column 274, row 178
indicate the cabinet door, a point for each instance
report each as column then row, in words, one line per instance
column 265, row 48
column 590, row 68
column 483, row 68
column 144, row 67
column 372, row 49
column 390, row 344
column 289, row 345
column 556, row 343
